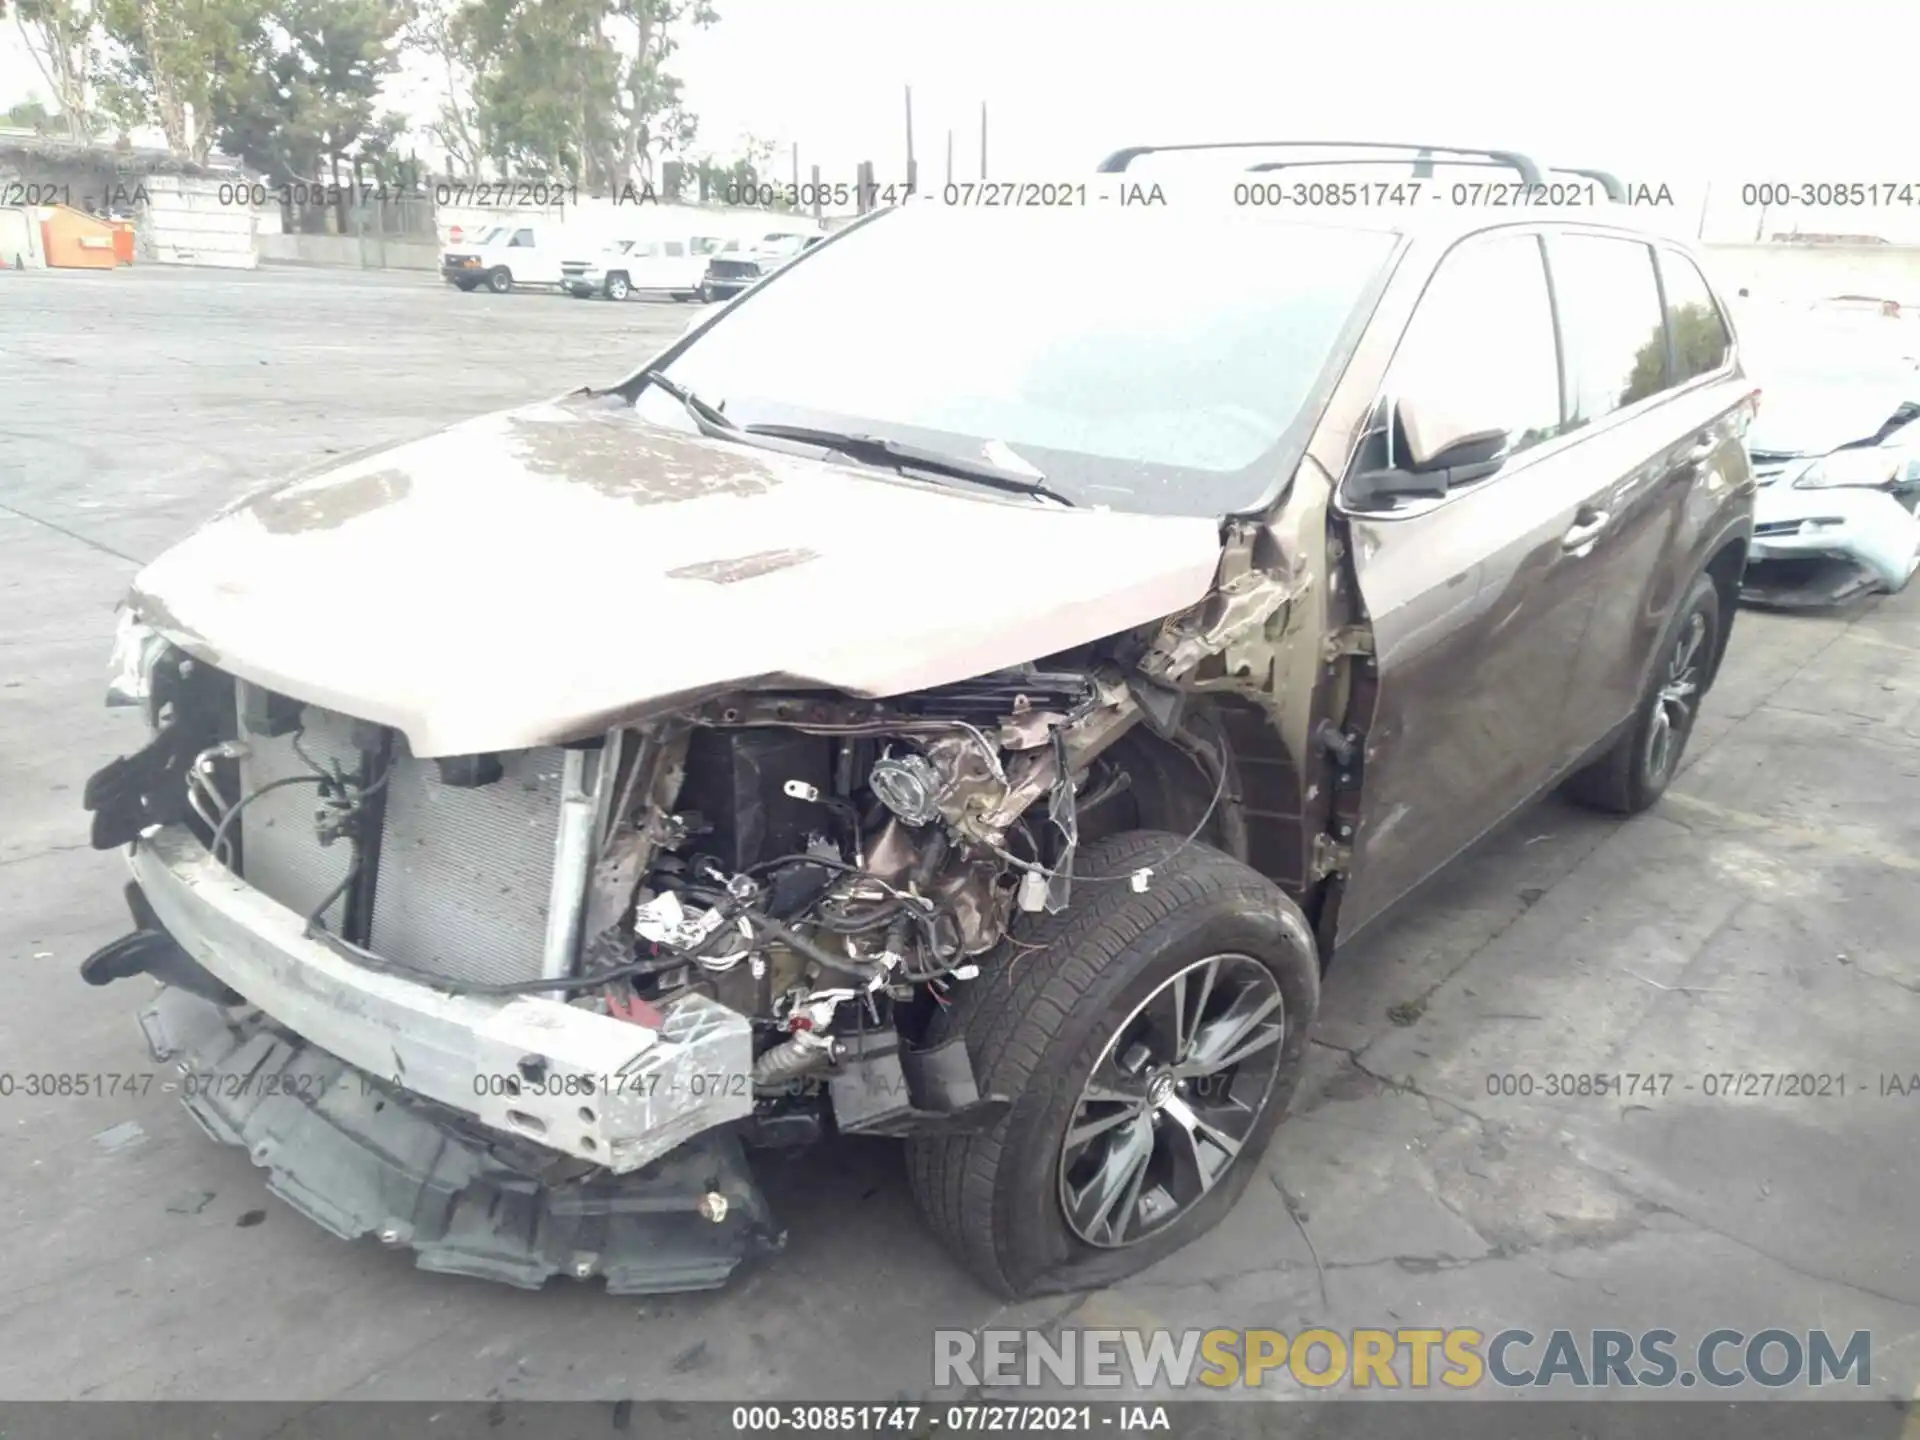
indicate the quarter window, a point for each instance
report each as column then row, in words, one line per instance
column 1700, row 339
column 675, row 247
column 1610, row 324
column 1480, row 345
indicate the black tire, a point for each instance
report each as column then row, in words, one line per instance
column 1039, row 1021
column 1630, row 778
column 618, row 287
column 500, row 280
column 705, row 293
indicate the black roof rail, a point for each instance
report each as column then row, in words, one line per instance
column 1527, row 169
column 1607, row 181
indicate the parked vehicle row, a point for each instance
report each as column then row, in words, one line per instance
column 697, row 256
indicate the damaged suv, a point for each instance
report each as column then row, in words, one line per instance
column 970, row 712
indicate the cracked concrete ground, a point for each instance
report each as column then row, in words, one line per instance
column 1761, row 920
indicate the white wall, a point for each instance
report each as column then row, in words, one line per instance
column 185, row 223
column 1799, row 273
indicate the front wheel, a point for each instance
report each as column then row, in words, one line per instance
column 1635, row 773
column 705, row 293
column 1150, row 1041
column 617, row 287
column 500, row 280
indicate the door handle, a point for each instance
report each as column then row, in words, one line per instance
column 1585, row 531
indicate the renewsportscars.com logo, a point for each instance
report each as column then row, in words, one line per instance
column 1401, row 1358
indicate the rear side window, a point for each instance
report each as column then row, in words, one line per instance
column 1610, row 323
column 1481, row 342
column 1700, row 338
column 674, row 247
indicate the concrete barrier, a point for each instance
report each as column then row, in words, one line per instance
column 190, row 220
column 350, row 252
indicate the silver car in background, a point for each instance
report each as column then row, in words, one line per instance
column 1836, row 450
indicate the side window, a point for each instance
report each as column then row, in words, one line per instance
column 646, row 249
column 1480, row 346
column 674, row 247
column 1700, row 339
column 1610, row 323
column 522, row 239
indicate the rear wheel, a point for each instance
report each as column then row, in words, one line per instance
column 500, row 280
column 1642, row 763
column 1150, row 1042
column 617, row 287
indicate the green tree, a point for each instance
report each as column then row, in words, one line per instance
column 61, row 38
column 172, row 62
column 579, row 89
column 303, row 107
column 737, row 180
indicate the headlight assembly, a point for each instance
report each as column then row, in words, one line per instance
column 1867, row 467
column 137, row 648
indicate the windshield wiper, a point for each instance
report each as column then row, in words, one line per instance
column 877, row 449
column 707, row 416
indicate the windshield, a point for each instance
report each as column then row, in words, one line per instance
column 482, row 237
column 1150, row 362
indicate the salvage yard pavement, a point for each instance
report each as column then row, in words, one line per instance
column 1759, row 921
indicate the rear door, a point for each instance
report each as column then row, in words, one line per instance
column 1650, row 376
column 1476, row 601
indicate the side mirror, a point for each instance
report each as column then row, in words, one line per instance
column 1444, row 450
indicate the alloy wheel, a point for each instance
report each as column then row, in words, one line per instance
column 1676, row 699
column 1176, row 1093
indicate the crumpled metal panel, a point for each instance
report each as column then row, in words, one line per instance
column 359, row 1157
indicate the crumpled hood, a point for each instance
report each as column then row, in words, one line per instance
column 1814, row 417
column 541, row 574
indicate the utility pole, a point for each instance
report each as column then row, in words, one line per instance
column 1706, row 199
column 949, row 156
column 983, row 139
column 913, row 170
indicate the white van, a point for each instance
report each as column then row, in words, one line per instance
column 500, row 257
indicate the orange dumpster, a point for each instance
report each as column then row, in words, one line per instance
column 75, row 240
column 123, row 241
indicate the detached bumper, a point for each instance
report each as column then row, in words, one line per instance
column 1814, row 547
column 601, row 1090
column 361, row 1159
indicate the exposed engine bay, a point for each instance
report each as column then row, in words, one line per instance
column 832, row 868
column 826, row 868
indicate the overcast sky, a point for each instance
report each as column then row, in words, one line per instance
column 1671, row 92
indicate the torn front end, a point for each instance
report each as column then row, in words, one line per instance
column 521, row 1011
column 1832, row 528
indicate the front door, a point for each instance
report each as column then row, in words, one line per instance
column 1477, row 601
